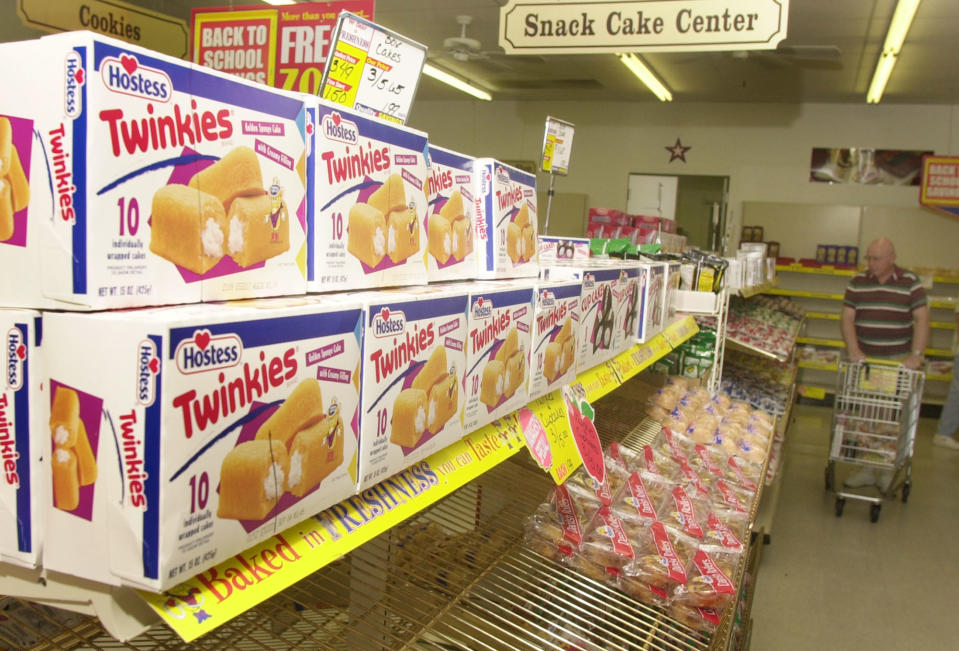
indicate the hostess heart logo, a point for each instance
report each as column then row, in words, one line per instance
column 205, row 352
column 335, row 127
column 202, row 339
column 388, row 323
column 129, row 63
column 16, row 352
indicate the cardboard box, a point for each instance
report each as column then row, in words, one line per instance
column 414, row 359
column 22, row 481
column 506, row 221
column 555, row 328
column 654, row 301
column 121, row 134
column 498, row 350
column 563, row 249
column 607, row 308
column 451, row 217
column 215, row 427
column 370, row 205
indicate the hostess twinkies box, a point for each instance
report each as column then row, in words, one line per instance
column 498, row 350
column 654, row 301
column 506, row 221
column 215, row 427
column 151, row 181
column 450, row 216
column 414, row 358
column 607, row 308
column 563, row 249
column 22, row 481
column 370, row 205
column 555, row 330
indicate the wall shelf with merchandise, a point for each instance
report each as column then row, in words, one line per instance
column 820, row 289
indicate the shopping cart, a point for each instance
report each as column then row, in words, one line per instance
column 874, row 425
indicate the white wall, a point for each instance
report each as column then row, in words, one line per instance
column 764, row 148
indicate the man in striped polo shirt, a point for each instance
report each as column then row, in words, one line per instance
column 885, row 314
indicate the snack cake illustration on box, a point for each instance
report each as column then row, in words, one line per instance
column 369, row 222
column 413, row 364
column 22, row 485
column 555, row 328
column 450, row 217
column 216, row 427
column 498, row 350
column 506, row 221
column 150, row 180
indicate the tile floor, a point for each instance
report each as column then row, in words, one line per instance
column 846, row 583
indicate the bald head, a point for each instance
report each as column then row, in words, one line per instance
column 881, row 258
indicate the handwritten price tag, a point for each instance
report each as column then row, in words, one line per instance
column 373, row 70
column 550, row 412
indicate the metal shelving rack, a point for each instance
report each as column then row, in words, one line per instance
column 456, row 575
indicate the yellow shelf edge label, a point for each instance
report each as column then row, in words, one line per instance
column 217, row 595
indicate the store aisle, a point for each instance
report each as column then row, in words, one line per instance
column 846, row 583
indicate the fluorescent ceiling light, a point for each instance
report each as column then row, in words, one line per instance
column 898, row 28
column 455, row 82
column 638, row 68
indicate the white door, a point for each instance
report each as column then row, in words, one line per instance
column 650, row 195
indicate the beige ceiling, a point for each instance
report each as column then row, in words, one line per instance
column 927, row 72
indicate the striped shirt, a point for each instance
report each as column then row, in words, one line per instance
column 884, row 319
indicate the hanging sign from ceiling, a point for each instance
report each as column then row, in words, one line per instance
column 939, row 189
column 121, row 20
column 550, row 27
column 284, row 47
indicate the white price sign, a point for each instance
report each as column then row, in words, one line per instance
column 372, row 69
column 557, row 146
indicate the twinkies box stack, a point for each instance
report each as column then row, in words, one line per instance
column 555, row 330
column 608, row 308
column 370, row 205
column 506, row 221
column 414, row 358
column 215, row 427
column 450, row 217
column 22, row 482
column 498, row 350
column 148, row 181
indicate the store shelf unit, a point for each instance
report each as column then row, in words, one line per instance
column 124, row 615
column 820, row 290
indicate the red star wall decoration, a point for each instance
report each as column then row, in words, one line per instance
column 677, row 151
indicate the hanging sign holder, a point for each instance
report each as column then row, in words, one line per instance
column 557, row 147
column 372, row 69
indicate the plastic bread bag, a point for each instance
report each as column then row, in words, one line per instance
column 647, row 458
column 685, row 511
column 556, row 528
column 641, row 498
column 732, row 496
column 660, row 559
column 709, row 578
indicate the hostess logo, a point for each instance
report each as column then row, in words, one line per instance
column 387, row 323
column 336, row 127
column 72, row 81
column 127, row 76
column 204, row 352
column 482, row 308
column 148, row 367
column 16, row 356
